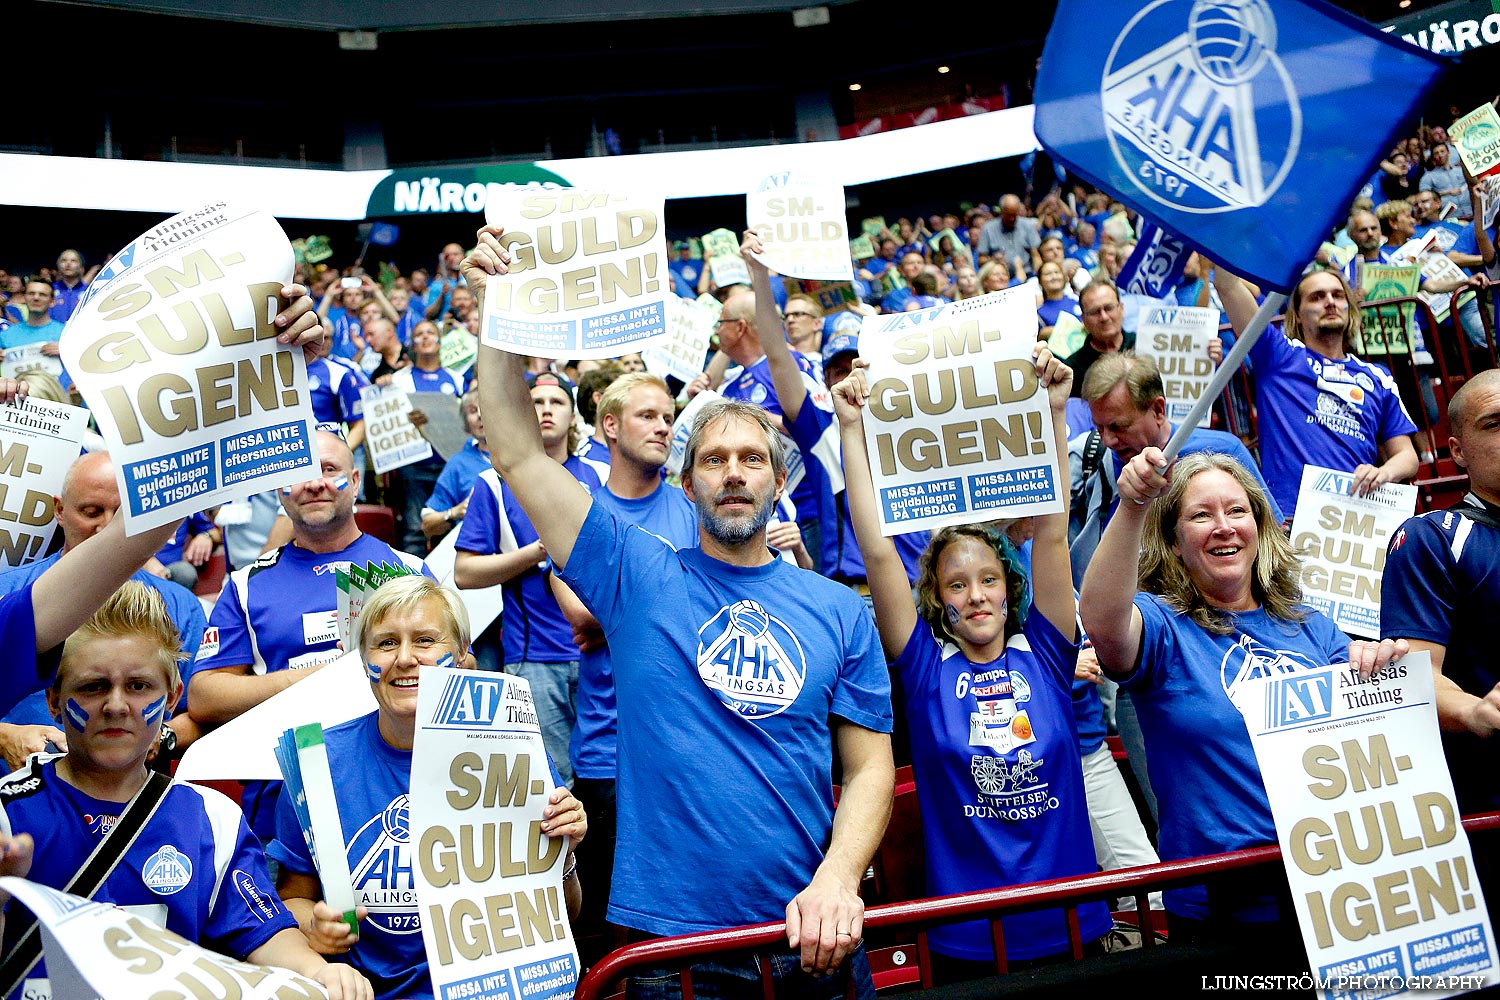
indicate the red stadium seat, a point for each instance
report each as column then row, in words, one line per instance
column 376, row 520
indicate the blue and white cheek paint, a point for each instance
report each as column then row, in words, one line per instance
column 953, row 615
column 152, row 713
column 341, row 483
column 76, row 715
column 446, row 660
column 373, row 672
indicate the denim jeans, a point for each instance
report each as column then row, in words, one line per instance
column 737, row 977
column 554, row 692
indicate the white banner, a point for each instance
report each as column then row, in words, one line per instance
column 683, row 351
column 802, row 226
column 245, row 747
column 483, row 605
column 957, row 424
column 39, row 440
column 1381, row 871
column 100, row 950
column 22, row 360
column 1176, row 338
column 173, row 346
column 393, row 439
column 1342, row 540
column 493, row 916
column 588, row 273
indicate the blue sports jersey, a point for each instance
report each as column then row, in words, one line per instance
column 669, row 515
column 414, row 379
column 195, row 869
column 457, row 479
column 1442, row 585
column 18, row 639
column 280, row 613
column 535, row 629
column 172, row 551
column 999, row 781
column 1198, row 751
column 726, row 677
column 373, row 800
column 1314, row 411
column 594, row 450
column 334, row 389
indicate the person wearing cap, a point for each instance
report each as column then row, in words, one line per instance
column 685, row 270
column 497, row 544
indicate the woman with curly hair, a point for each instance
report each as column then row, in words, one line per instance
column 987, row 678
column 1219, row 603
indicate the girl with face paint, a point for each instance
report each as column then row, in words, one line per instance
column 986, row 670
column 116, row 684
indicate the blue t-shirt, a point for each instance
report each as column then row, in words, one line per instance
column 374, row 809
column 334, row 390
column 1315, row 411
column 195, row 867
column 535, row 629
column 1442, row 585
column 1050, row 309
column 1198, row 751
column 342, row 329
column 195, row 524
column 414, row 379
column 669, row 515
column 18, row 638
column 281, row 613
column 456, row 481
column 999, row 781
column 21, row 334
column 726, row 677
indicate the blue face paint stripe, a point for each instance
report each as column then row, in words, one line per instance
column 152, row 712
column 76, row 715
column 446, row 660
column 341, row 483
column 953, row 615
column 373, row 672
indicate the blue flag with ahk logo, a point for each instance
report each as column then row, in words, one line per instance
column 1243, row 126
column 1155, row 265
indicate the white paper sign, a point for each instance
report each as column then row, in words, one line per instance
column 393, row 439
column 39, row 440
column 27, row 358
column 1342, row 540
column 683, row 351
column 495, row 929
column 957, row 425
column 100, row 950
column 173, row 346
column 588, row 273
column 485, row 604
column 802, row 226
column 245, row 747
column 1381, row 871
column 1176, row 338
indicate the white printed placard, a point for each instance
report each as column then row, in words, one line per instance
column 1477, row 136
column 496, row 930
column 1176, row 338
column 101, row 950
column 802, row 226
column 39, row 440
column 957, row 424
column 1342, row 540
column 393, row 439
column 174, row 348
column 1380, row 868
column 683, row 350
column 27, row 358
column 588, row 273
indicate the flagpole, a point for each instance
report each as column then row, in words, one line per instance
column 1269, row 308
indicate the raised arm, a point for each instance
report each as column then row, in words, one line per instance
column 787, row 377
column 1236, row 297
column 556, row 502
column 1107, row 604
column 895, row 613
column 66, row 595
column 1052, row 570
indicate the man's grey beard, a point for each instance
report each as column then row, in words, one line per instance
column 729, row 532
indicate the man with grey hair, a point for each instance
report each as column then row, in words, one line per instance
column 760, row 672
column 1011, row 236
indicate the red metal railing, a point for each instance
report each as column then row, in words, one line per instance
column 920, row 915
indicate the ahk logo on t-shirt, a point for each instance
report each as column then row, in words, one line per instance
column 751, row 660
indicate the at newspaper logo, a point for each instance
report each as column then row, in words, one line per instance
column 1334, row 482
column 469, row 700
column 1298, row 699
column 901, row 321
column 1200, row 112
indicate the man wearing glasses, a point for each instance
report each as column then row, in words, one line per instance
column 1103, row 315
column 804, row 325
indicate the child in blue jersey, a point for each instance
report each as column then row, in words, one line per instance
column 1221, row 602
column 195, row 868
column 408, row 624
column 988, row 689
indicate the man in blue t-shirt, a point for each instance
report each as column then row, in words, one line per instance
column 39, row 327
column 1319, row 404
column 759, row 671
column 449, row 501
column 275, row 622
column 417, row 480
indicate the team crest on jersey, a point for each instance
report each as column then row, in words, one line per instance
column 167, row 871
column 751, row 660
column 101, row 823
column 380, row 866
column 1198, row 109
column 1249, row 659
